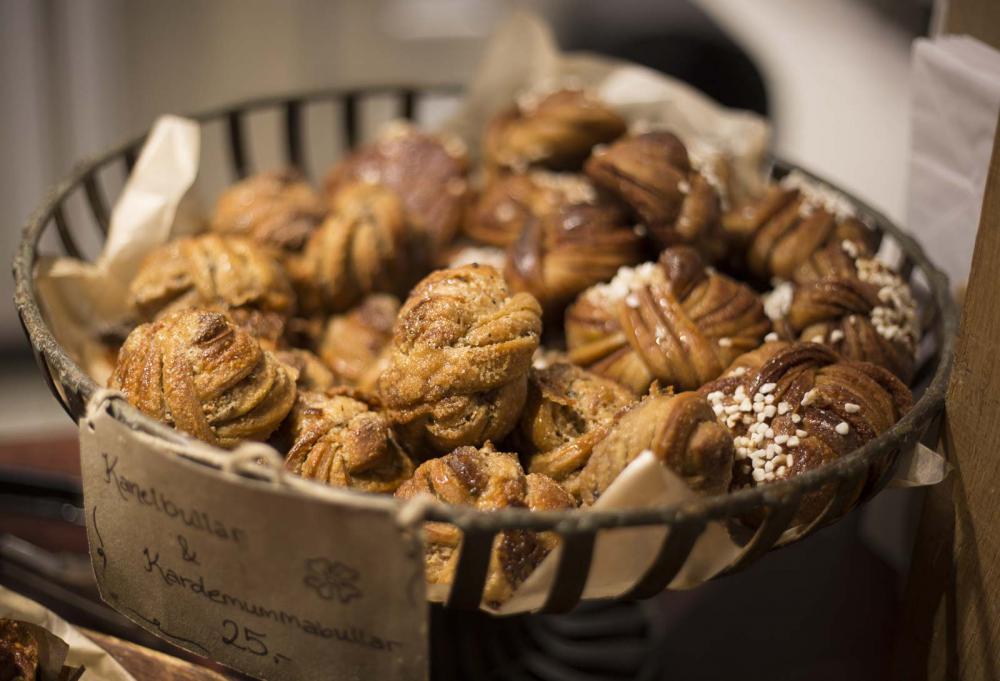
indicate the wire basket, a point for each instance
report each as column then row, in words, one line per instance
column 347, row 114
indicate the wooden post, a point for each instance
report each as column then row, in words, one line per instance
column 951, row 618
column 978, row 18
column 950, row 625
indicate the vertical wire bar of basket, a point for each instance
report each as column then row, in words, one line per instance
column 129, row 157
column 572, row 570
column 906, row 267
column 878, row 478
column 849, row 488
column 471, row 570
column 74, row 402
column 845, row 493
column 237, row 146
column 293, row 134
column 96, row 200
column 349, row 120
column 673, row 553
column 408, row 104
column 778, row 514
column 65, row 234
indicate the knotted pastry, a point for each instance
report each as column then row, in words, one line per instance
column 210, row 270
column 509, row 202
column 674, row 321
column 309, row 371
column 487, row 480
column 512, row 201
column 277, row 209
column 794, row 406
column 19, row 652
column 561, row 236
column 341, row 439
column 858, row 306
column 652, row 173
column 357, row 345
column 793, row 220
column 567, row 412
column 196, row 371
column 426, row 171
column 462, row 347
column 555, row 130
column 361, row 248
column 680, row 431
column 567, row 248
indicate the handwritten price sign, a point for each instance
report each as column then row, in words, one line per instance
column 248, row 573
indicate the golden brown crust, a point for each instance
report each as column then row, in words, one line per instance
column 486, row 480
column 269, row 328
column 357, row 345
column 567, row 412
column 679, row 430
column 210, row 270
column 857, row 306
column 788, row 225
column 310, row 372
column 462, row 347
column 19, row 652
column 558, row 256
column 500, row 213
column 426, row 171
column 674, row 321
column 561, row 235
column 795, row 406
column 277, row 209
column 197, row 372
column 339, row 438
column 360, row 248
column 555, row 131
column 652, row 173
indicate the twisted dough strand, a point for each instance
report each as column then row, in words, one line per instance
column 857, row 306
column 814, row 407
column 556, row 130
column 276, row 209
column 462, row 348
column 196, row 371
column 680, row 431
column 567, row 412
column 488, row 481
column 357, row 345
column 561, row 254
column 673, row 321
column 653, row 174
column 340, row 439
column 790, row 223
column 427, row 172
column 361, row 248
column 211, row 269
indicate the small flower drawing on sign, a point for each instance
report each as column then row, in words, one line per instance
column 332, row 579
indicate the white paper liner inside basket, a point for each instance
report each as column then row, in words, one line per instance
column 83, row 299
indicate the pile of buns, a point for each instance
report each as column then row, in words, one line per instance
column 515, row 332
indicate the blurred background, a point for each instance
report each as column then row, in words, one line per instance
column 832, row 76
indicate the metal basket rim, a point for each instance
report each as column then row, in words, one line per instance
column 930, row 404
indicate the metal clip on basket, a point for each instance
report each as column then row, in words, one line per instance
column 297, row 118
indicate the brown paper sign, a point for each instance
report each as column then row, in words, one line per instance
column 265, row 580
